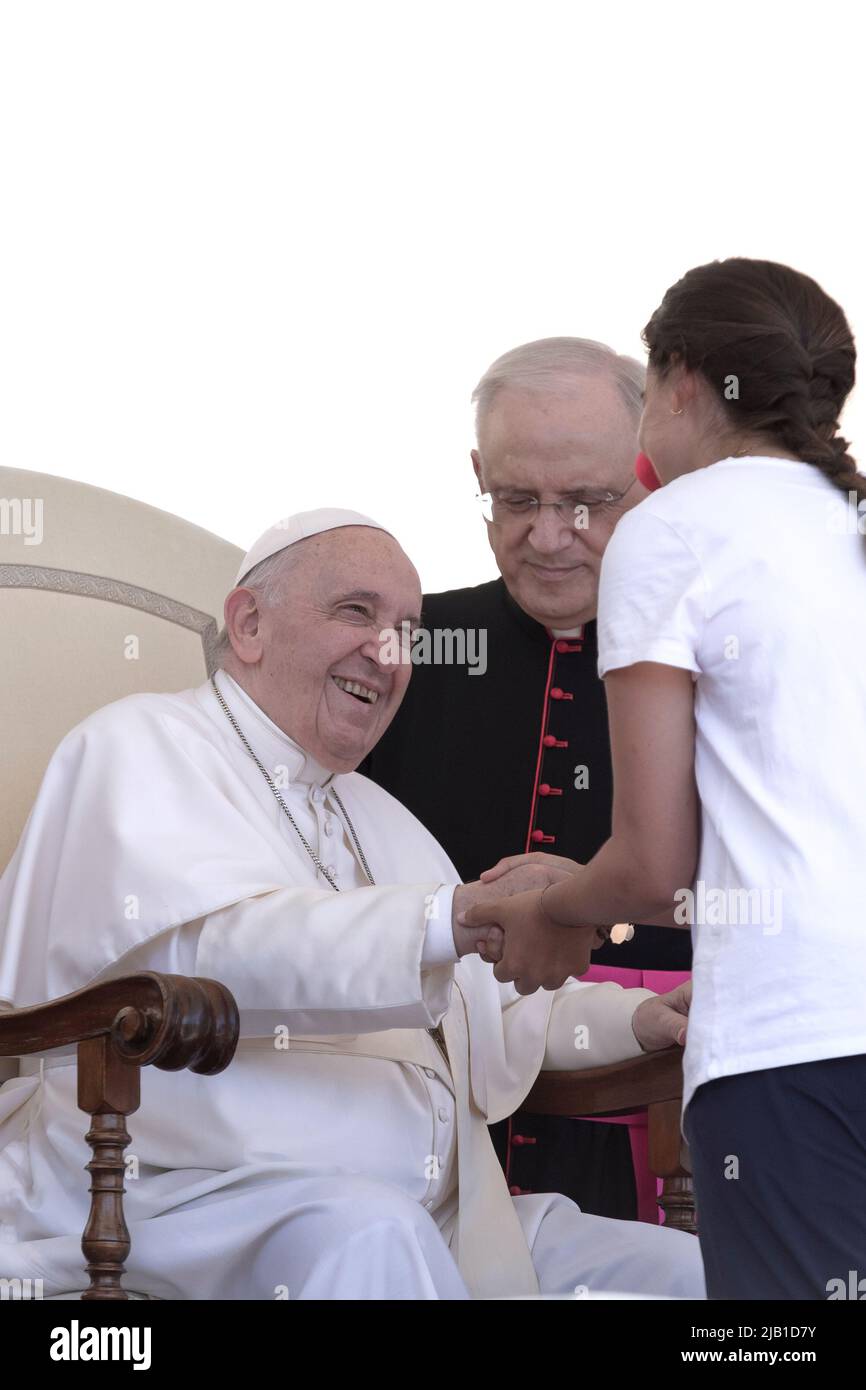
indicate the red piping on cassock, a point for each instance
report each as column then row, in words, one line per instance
column 544, row 718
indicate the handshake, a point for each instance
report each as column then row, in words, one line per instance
column 503, row 919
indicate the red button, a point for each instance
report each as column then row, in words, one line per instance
column 563, row 646
column 547, row 790
column 550, row 742
column 558, row 694
column 538, row 837
column 523, row 1139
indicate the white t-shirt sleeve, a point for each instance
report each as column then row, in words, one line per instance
column 652, row 596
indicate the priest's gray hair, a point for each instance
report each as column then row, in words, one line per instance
column 267, row 579
column 551, row 364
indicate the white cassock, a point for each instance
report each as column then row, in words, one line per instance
column 354, row 1162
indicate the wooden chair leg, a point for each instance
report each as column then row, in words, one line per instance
column 677, row 1199
column 109, row 1089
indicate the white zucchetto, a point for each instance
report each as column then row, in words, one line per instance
column 297, row 528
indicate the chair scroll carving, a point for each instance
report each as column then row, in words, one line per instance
column 168, row 1021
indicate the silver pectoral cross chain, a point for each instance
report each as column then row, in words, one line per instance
column 436, row 1033
column 281, row 800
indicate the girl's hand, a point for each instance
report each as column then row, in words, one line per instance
column 535, row 953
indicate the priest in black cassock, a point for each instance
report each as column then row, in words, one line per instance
column 508, row 750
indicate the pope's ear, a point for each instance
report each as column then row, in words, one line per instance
column 476, row 464
column 243, row 623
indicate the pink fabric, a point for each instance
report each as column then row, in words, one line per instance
column 647, row 1186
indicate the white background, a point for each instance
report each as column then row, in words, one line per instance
column 256, row 255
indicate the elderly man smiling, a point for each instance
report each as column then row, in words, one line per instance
column 345, row 1152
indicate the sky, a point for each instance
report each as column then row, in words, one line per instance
column 255, row 256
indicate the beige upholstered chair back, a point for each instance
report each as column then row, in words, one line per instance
column 100, row 597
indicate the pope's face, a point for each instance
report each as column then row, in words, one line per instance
column 351, row 585
column 575, row 445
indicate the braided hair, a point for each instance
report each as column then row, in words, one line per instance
column 783, row 341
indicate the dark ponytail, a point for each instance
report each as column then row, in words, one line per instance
column 777, row 350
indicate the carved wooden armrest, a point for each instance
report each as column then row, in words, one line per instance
column 167, row 1021
column 623, row 1086
column 653, row 1082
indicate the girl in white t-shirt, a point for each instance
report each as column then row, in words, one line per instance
column 732, row 640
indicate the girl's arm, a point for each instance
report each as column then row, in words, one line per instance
column 653, row 848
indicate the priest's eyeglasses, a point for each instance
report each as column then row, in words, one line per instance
column 502, row 508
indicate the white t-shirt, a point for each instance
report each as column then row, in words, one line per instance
column 751, row 574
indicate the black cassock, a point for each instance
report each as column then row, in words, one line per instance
column 518, row 758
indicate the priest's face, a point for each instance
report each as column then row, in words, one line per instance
column 573, row 446
column 313, row 658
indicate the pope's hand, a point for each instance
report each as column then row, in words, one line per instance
column 534, row 952
column 660, row 1022
column 521, row 878
column 555, row 864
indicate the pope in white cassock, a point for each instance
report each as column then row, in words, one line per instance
column 344, row 1153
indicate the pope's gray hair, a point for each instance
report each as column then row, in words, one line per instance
column 267, row 579
column 548, row 363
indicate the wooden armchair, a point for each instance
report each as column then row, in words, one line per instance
column 654, row 1083
column 173, row 1022
column 119, row 1026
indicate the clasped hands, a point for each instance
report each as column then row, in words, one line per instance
column 500, row 916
